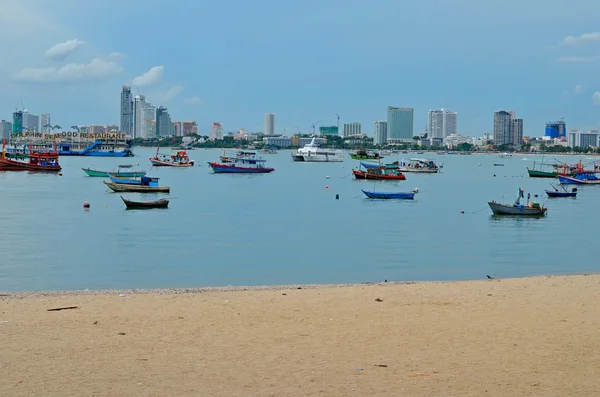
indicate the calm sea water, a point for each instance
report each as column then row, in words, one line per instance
column 285, row 227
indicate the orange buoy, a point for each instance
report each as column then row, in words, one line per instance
column 86, row 204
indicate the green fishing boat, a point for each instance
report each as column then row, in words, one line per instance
column 362, row 154
column 542, row 174
column 107, row 174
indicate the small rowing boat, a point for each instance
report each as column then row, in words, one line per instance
column 130, row 204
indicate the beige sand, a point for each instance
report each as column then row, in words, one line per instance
column 517, row 337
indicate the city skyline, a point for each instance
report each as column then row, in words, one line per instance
column 547, row 74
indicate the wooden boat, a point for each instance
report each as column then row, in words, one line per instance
column 145, row 180
column 119, row 173
column 179, row 159
column 39, row 161
column 563, row 193
column 422, row 166
column 579, row 179
column 389, row 195
column 541, row 174
column 498, row 165
column 120, row 188
column 388, row 172
column 242, row 163
column 130, row 204
column 518, row 209
column 362, row 154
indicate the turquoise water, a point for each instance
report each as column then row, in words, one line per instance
column 285, row 227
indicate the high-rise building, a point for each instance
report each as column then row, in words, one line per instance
column 216, row 131
column 17, row 124
column 31, row 122
column 351, row 129
column 441, row 123
column 178, row 126
column 164, row 125
column 400, row 124
column 5, row 129
column 45, row 123
column 508, row 130
column 190, row 128
column 556, row 129
column 329, row 130
column 143, row 122
column 127, row 111
column 380, row 132
column 150, row 118
column 269, row 124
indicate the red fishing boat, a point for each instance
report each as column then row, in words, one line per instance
column 38, row 161
column 385, row 172
column 179, row 159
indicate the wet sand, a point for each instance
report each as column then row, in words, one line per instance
column 511, row 337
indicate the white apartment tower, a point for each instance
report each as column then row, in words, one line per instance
column 216, row 131
column 269, row 124
column 46, row 127
column 351, row 129
column 441, row 123
column 380, row 132
column 144, row 124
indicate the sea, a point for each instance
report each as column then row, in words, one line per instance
column 304, row 223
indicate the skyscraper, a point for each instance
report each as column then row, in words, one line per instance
column 164, row 125
column 517, row 132
column 46, row 123
column 380, row 132
column 5, row 129
column 17, row 124
column 441, row 123
column 508, row 130
column 269, row 124
column 216, row 131
column 126, row 111
column 143, row 122
column 31, row 122
column 351, row 129
column 399, row 124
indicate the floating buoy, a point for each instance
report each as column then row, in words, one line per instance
column 494, row 174
column 60, row 174
column 479, row 164
column 462, row 212
column 337, row 196
column 416, row 190
column 86, row 204
column 327, row 177
column 326, row 186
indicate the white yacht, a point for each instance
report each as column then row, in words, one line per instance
column 312, row 152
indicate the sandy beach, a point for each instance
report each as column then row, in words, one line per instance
column 511, row 337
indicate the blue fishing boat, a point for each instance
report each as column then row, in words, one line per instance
column 390, row 195
column 580, row 178
column 145, row 181
column 563, row 193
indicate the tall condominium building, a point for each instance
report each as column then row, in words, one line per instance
column 556, row 129
column 190, row 128
column 508, row 130
column 126, row 125
column 380, row 132
column 164, row 125
column 441, row 123
column 31, row 123
column 351, row 129
column 45, row 123
column 178, row 128
column 143, row 122
column 331, row 130
column 269, row 124
column 5, row 129
column 399, row 124
column 578, row 138
column 17, row 124
column 216, row 131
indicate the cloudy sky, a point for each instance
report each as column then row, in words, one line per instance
column 233, row 60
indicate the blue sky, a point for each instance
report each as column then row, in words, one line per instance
column 232, row 61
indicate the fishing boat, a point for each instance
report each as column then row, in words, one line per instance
column 580, row 178
column 539, row 173
column 518, row 209
column 242, row 163
column 179, row 159
column 388, row 172
column 369, row 165
column 563, row 193
column 390, row 195
column 268, row 150
column 144, row 187
column 145, row 180
column 118, row 173
column 423, row 166
column 139, row 205
column 498, row 165
column 38, row 161
column 362, row 154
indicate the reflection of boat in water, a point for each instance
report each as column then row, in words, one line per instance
column 311, row 152
column 518, row 209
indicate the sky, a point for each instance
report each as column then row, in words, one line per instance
column 232, row 61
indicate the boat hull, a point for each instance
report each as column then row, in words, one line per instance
column 541, row 174
column 142, row 205
column 160, row 163
column 231, row 169
column 322, row 158
column 569, row 180
column 418, row 170
column 389, row 195
column 14, row 165
column 552, row 193
column 106, row 174
column 297, row 157
column 364, row 175
column 118, row 187
column 504, row 209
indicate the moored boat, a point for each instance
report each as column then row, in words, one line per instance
column 563, row 193
column 387, row 172
column 179, row 159
column 390, row 195
column 362, row 154
column 518, row 209
column 118, row 173
column 423, row 166
column 144, row 180
column 37, row 161
column 241, row 163
column 143, row 188
column 311, row 152
column 138, row 205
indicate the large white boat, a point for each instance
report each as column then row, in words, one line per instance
column 312, row 152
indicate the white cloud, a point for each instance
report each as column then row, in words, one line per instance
column 584, row 38
column 193, row 100
column 167, row 96
column 116, row 55
column 577, row 59
column 60, row 51
column 596, row 98
column 151, row 77
column 579, row 89
column 97, row 69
